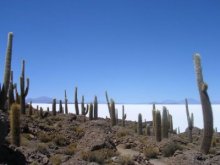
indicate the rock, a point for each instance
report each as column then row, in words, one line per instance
column 10, row 155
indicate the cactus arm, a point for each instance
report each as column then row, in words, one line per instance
column 109, row 108
column 206, row 107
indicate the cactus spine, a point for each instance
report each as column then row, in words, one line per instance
column 15, row 124
column 190, row 122
column 123, row 116
column 76, row 102
column 54, row 112
column 158, row 126
column 139, row 126
column 206, row 107
column 91, row 111
column 112, row 114
column 24, row 91
column 165, row 123
column 95, row 108
column 66, row 103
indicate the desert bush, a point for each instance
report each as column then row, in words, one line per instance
column 55, row 160
column 170, row 149
column 60, row 140
column 151, row 152
column 122, row 133
column 44, row 137
column 125, row 160
column 98, row 156
column 71, row 149
column 42, row 148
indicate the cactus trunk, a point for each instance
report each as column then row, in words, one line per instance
column 15, row 124
column 206, row 107
column 158, row 126
column 139, row 126
column 76, row 102
column 95, row 108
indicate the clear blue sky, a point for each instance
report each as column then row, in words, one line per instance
column 139, row 51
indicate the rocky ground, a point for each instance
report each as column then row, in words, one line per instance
column 70, row 139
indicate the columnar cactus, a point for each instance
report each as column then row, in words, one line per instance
column 165, row 123
column 95, row 108
column 76, row 102
column 153, row 117
column 170, row 123
column 7, row 72
column 158, row 126
column 66, row 103
column 91, row 111
column 54, row 112
column 206, row 107
column 190, row 122
column 108, row 103
column 116, row 115
column 11, row 98
column 83, row 108
column 41, row 113
column 60, row 107
column 15, row 124
column 123, row 116
column 112, row 112
column 30, row 109
column 139, row 126
column 24, row 90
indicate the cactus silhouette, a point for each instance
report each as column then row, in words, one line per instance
column 123, row 116
column 15, row 124
column 7, row 72
column 91, row 111
column 66, row 103
column 95, row 108
column 76, row 102
column 60, row 107
column 24, row 91
column 11, row 98
column 165, row 123
column 190, row 122
column 153, row 117
column 54, row 111
column 158, row 126
column 112, row 112
column 206, row 107
column 83, row 110
column 108, row 103
column 140, row 131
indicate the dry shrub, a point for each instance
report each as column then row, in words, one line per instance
column 125, row 160
column 44, row 137
column 60, row 140
column 170, row 149
column 151, row 151
column 71, row 149
column 55, row 160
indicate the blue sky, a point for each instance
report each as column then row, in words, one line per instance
column 139, row 51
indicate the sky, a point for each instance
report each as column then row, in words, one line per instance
column 139, row 51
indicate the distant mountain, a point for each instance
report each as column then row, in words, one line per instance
column 42, row 99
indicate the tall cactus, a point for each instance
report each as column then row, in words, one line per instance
column 123, row 116
column 54, row 111
column 66, row 103
column 139, row 126
column 7, row 72
column 158, row 126
column 91, row 117
column 165, row 123
column 112, row 112
column 60, row 107
column 11, row 98
column 206, row 107
column 108, row 103
column 24, row 90
column 170, row 123
column 76, row 102
column 83, row 106
column 95, row 108
column 153, row 117
column 15, row 124
column 190, row 122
